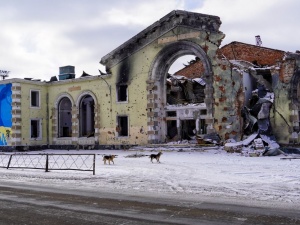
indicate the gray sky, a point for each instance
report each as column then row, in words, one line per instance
column 39, row 36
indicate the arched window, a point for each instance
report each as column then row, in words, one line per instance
column 65, row 118
column 86, row 115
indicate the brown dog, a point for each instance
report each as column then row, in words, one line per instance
column 156, row 156
column 109, row 158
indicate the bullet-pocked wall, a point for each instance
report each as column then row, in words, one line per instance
column 143, row 63
column 25, row 118
column 286, row 114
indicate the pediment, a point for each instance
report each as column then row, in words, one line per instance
column 172, row 20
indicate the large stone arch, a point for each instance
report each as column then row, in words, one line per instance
column 171, row 52
column 156, row 85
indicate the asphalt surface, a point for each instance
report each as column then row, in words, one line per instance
column 24, row 204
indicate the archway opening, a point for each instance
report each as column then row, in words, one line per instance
column 65, row 118
column 184, row 92
column 86, row 116
column 183, row 97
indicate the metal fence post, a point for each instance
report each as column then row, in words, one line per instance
column 47, row 164
column 94, row 164
column 9, row 161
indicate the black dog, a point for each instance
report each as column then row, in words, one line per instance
column 156, row 156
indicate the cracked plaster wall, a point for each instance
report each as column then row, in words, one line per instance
column 229, row 101
column 285, row 115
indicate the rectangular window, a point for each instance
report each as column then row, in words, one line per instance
column 122, row 127
column 171, row 114
column 35, row 98
column 122, row 93
column 35, row 129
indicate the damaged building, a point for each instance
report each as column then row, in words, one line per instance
column 238, row 91
column 261, row 82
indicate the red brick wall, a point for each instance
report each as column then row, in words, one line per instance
column 239, row 51
column 194, row 70
column 251, row 53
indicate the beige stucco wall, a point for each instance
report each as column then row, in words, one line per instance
column 138, row 66
column 28, row 112
column 74, row 89
column 107, row 105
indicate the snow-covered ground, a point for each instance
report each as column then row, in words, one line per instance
column 188, row 174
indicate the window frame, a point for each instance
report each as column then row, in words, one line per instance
column 118, row 93
column 39, row 129
column 38, row 98
column 83, row 115
column 60, row 132
column 118, row 125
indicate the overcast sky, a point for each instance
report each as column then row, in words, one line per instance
column 39, row 36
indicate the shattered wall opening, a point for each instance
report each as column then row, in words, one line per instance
column 257, row 102
column 183, row 90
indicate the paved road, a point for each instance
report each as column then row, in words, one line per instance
column 43, row 206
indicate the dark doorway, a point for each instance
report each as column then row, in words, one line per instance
column 65, row 118
column 87, row 124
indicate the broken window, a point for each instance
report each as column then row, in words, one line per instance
column 122, row 127
column 182, row 90
column 65, row 118
column 35, row 129
column 122, row 93
column 35, row 98
column 188, row 129
column 86, row 116
column 171, row 114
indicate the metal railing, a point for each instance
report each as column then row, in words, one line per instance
column 47, row 162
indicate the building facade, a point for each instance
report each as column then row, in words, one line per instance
column 136, row 102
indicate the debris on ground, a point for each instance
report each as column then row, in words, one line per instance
column 136, row 155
